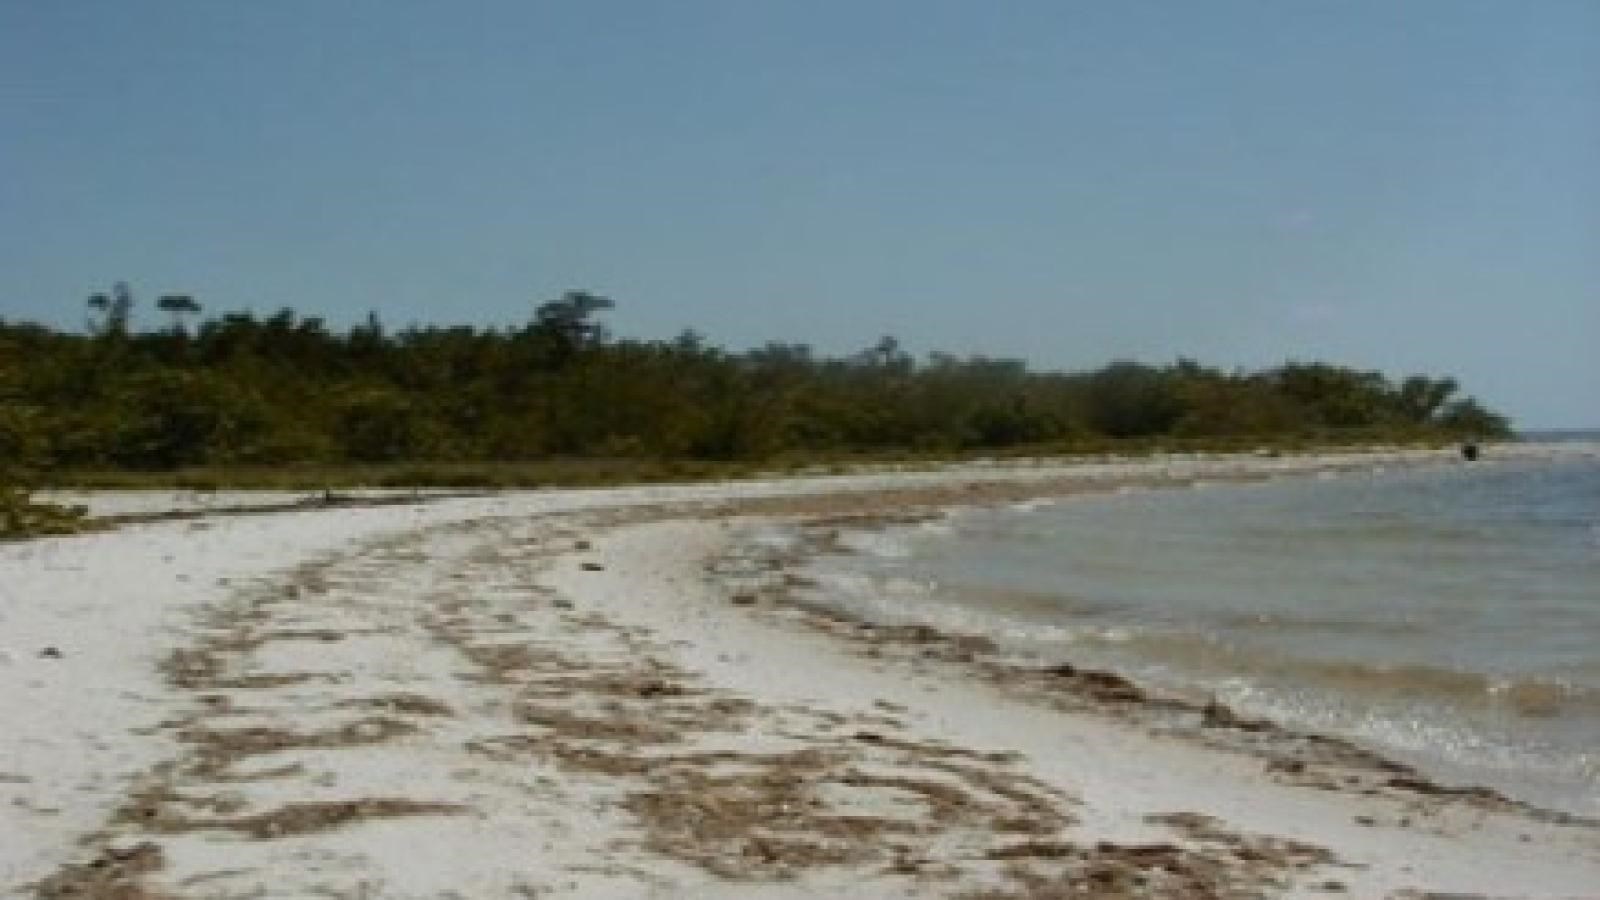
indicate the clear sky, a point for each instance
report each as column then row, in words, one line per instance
column 1408, row 186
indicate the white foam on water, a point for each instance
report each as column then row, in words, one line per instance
column 1031, row 505
column 881, row 544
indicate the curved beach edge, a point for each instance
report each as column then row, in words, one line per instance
column 603, row 693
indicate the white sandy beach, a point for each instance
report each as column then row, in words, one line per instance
column 565, row 693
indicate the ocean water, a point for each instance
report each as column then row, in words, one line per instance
column 1449, row 617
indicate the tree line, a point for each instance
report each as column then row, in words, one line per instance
column 241, row 389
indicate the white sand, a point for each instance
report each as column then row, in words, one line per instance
column 422, row 602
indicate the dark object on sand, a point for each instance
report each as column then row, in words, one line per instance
column 1469, row 452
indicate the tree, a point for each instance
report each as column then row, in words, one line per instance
column 21, row 450
column 114, row 310
column 689, row 342
column 283, row 388
column 886, row 354
column 1468, row 418
column 1422, row 397
column 566, row 326
column 178, row 306
column 1337, row 397
column 381, row 424
column 169, row 417
column 1128, row 399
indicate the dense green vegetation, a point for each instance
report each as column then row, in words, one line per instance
column 240, row 391
column 19, row 456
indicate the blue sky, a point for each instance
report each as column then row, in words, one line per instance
column 1403, row 186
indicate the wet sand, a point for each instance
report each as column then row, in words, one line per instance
column 616, row 694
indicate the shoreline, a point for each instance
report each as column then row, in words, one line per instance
column 559, row 670
column 132, row 506
column 1294, row 753
column 855, row 571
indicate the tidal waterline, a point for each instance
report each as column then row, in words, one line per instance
column 1449, row 616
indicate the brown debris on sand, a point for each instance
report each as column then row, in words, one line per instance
column 313, row 816
column 776, row 815
column 532, row 696
column 403, row 704
column 113, row 874
column 215, row 750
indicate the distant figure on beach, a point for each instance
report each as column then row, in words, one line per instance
column 1469, row 451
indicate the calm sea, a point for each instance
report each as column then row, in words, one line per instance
column 1447, row 616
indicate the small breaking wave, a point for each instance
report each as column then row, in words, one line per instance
column 880, row 544
column 1530, row 696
